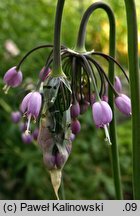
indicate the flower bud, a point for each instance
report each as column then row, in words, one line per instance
column 75, row 126
column 44, row 73
column 61, row 158
column 118, row 84
column 75, row 110
column 123, row 103
column 72, row 136
column 27, row 138
column 35, row 134
column 16, row 116
column 90, row 98
column 49, row 160
column 84, row 106
column 105, row 98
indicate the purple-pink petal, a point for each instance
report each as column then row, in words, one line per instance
column 44, row 73
column 97, row 110
column 118, row 84
column 107, row 112
column 102, row 113
column 34, row 104
column 24, row 104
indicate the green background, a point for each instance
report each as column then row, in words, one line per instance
column 87, row 173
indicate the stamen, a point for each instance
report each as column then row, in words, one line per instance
column 28, row 125
column 6, row 89
column 34, row 121
column 41, row 88
column 107, row 139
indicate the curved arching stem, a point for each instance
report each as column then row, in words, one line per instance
column 31, row 51
column 80, row 46
column 134, row 75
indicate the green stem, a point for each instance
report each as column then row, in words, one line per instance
column 57, row 70
column 135, row 91
column 28, row 53
column 88, row 68
column 112, row 127
column 112, row 47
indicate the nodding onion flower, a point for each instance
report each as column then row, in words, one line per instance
column 12, row 78
column 31, row 106
column 62, row 99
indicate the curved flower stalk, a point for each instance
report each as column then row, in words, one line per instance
column 134, row 74
column 70, row 82
column 81, row 46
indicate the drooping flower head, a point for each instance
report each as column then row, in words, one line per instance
column 76, row 75
column 12, row 78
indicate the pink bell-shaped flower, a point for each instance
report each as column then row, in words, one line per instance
column 123, row 103
column 12, row 78
column 102, row 113
column 31, row 106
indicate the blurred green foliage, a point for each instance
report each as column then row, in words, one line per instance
column 87, row 174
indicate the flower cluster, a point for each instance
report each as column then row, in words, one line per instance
column 84, row 94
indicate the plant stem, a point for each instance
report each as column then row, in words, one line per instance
column 135, row 91
column 112, row 127
column 57, row 70
column 89, row 69
column 81, row 47
column 32, row 50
